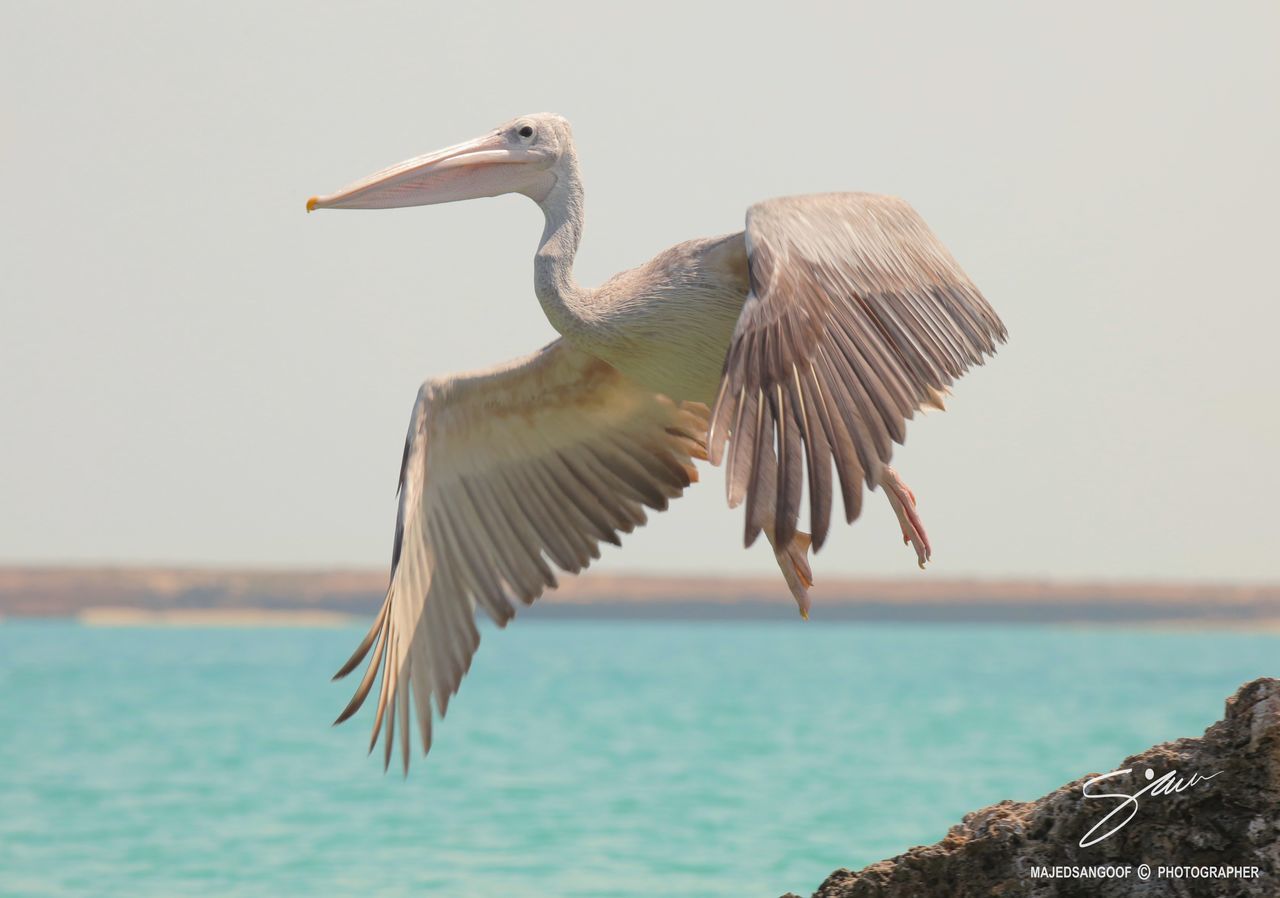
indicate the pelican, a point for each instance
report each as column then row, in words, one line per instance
column 802, row 343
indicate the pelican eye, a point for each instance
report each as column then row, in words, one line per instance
column 526, row 131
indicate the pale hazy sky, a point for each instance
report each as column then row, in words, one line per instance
column 194, row 370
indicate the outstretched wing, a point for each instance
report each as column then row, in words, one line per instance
column 507, row 473
column 857, row 316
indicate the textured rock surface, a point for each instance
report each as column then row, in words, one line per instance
column 1230, row 820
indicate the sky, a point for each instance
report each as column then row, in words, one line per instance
column 197, row 372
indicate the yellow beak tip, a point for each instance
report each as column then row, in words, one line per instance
column 311, row 203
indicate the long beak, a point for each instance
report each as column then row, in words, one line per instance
column 487, row 166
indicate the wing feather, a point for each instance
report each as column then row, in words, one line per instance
column 506, row 473
column 738, row 474
column 857, row 316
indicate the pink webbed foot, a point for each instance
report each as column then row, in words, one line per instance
column 904, row 506
column 793, row 561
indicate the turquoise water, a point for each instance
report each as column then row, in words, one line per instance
column 580, row 759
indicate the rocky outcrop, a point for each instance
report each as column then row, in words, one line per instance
column 1191, row 835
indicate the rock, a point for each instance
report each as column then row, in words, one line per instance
column 1018, row 849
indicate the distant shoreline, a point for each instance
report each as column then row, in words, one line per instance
column 210, row 617
column 156, row 596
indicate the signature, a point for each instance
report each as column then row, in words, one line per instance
column 1169, row 784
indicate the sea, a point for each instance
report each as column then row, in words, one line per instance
column 580, row 758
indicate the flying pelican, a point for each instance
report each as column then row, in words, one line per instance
column 809, row 338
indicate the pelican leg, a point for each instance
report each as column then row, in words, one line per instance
column 904, row 506
column 793, row 558
column 793, row 561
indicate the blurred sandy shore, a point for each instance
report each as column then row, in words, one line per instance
column 221, row 597
column 211, row 617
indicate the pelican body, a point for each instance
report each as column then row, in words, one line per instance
column 799, row 345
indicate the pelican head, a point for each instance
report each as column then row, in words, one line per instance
column 522, row 156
